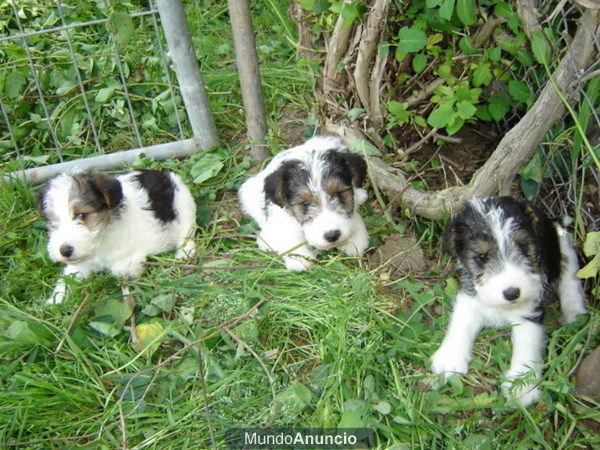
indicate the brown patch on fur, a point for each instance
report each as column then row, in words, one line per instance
column 299, row 203
column 335, row 188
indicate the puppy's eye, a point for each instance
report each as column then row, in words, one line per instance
column 339, row 196
column 80, row 216
column 305, row 205
column 481, row 258
column 523, row 248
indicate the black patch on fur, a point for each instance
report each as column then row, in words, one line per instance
column 281, row 185
column 161, row 193
column 349, row 167
column 542, row 240
column 108, row 189
column 41, row 201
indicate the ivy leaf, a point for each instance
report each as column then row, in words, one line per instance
column 465, row 46
column 207, row 166
column 494, row 53
column 419, row 62
column 498, row 106
column 454, row 125
column 362, row 147
column 519, row 91
column 442, row 115
column 411, row 40
column 398, row 110
column 504, row 9
column 433, row 3
column 446, row 9
column 465, row 9
column 148, row 334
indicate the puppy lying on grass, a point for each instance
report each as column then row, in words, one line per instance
column 97, row 222
column 309, row 193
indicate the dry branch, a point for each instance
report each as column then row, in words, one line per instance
column 247, row 64
column 366, row 51
column 336, row 48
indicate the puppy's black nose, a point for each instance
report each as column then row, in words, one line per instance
column 66, row 250
column 332, row 235
column 511, row 294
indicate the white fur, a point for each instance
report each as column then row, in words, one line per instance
column 281, row 231
column 488, row 308
column 121, row 246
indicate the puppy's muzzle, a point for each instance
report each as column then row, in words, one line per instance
column 511, row 294
column 66, row 250
column 332, row 235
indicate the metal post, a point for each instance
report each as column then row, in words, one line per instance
column 182, row 52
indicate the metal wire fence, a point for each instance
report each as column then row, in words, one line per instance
column 82, row 82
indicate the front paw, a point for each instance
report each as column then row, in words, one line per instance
column 447, row 362
column 524, row 393
column 356, row 245
column 58, row 295
column 297, row 263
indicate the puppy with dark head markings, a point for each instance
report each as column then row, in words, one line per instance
column 309, row 193
column 97, row 222
column 511, row 259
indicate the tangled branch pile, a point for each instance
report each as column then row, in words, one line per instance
column 360, row 76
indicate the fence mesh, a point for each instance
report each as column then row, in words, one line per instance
column 81, row 79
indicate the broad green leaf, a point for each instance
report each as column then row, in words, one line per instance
column 465, row 9
column 308, row 4
column 355, row 113
column 411, row 40
column 419, row 62
column 106, row 328
column 590, row 269
column 482, row 75
column 207, row 166
column 454, row 125
column 591, row 246
column 290, row 401
column 20, row 332
column 464, row 43
column 539, row 47
column 119, row 311
column 465, row 109
column 533, row 170
column 365, row 148
column 165, row 302
column 498, row 106
column 104, row 94
column 441, row 116
column 398, row 110
column 494, row 53
column 446, row 9
column 148, row 334
column 504, row 9
column 433, row 3
column 383, row 408
column 519, row 91
column 122, row 26
column 14, row 83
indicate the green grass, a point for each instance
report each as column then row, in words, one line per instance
column 338, row 345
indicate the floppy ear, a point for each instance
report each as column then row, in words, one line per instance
column 109, row 189
column 450, row 235
column 274, row 186
column 357, row 166
column 41, row 200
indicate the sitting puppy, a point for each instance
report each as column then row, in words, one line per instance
column 511, row 259
column 309, row 193
column 98, row 222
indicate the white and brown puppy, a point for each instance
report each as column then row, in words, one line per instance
column 511, row 260
column 97, row 222
column 309, row 194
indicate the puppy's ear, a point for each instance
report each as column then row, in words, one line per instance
column 41, row 200
column 275, row 185
column 357, row 166
column 450, row 236
column 109, row 189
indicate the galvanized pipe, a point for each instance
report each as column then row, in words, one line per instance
column 38, row 175
column 182, row 52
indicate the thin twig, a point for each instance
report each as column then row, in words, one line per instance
column 211, row 431
column 195, row 267
column 125, row 446
column 262, row 365
column 452, row 140
column 417, row 145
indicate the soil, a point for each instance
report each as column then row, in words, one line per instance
column 398, row 255
column 457, row 161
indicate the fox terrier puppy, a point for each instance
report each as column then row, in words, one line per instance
column 307, row 198
column 511, row 260
column 98, row 222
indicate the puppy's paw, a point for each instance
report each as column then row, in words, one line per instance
column 356, row 245
column 186, row 251
column 297, row 263
column 524, row 393
column 448, row 362
column 56, row 298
